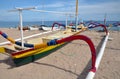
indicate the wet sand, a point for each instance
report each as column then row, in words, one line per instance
column 72, row 61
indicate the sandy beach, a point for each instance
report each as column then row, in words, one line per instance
column 72, row 61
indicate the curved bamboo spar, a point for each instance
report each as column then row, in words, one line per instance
column 86, row 39
column 57, row 24
column 103, row 27
column 93, row 25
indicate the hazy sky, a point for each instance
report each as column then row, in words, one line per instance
column 88, row 9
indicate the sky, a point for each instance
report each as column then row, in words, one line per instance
column 88, row 10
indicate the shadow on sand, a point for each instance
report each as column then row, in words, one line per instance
column 9, row 62
column 50, row 65
column 88, row 66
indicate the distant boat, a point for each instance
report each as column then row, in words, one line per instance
column 117, row 24
column 33, row 28
column 46, row 28
column 24, row 28
column 55, row 26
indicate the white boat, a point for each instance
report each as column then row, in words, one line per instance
column 46, row 28
column 33, row 28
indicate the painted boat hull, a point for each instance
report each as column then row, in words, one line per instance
column 32, row 58
column 30, row 55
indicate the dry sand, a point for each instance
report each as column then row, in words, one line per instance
column 72, row 61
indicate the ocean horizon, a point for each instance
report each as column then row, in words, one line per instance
column 14, row 24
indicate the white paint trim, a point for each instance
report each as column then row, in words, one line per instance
column 3, row 43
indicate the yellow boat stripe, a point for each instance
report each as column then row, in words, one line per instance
column 36, row 46
column 36, row 51
column 2, row 50
column 49, row 48
column 11, row 40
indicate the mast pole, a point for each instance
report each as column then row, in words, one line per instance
column 21, row 27
column 66, row 21
column 76, row 15
column 105, row 19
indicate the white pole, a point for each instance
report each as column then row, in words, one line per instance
column 76, row 23
column 21, row 27
column 105, row 19
column 53, row 12
column 70, row 19
column 7, row 42
column 42, row 21
column 43, row 17
column 99, row 57
column 98, row 60
column 66, row 20
column 76, row 16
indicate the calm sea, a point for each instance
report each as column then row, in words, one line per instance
column 4, row 24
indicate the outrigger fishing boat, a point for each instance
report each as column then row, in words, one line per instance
column 35, row 50
column 47, row 45
column 40, row 47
